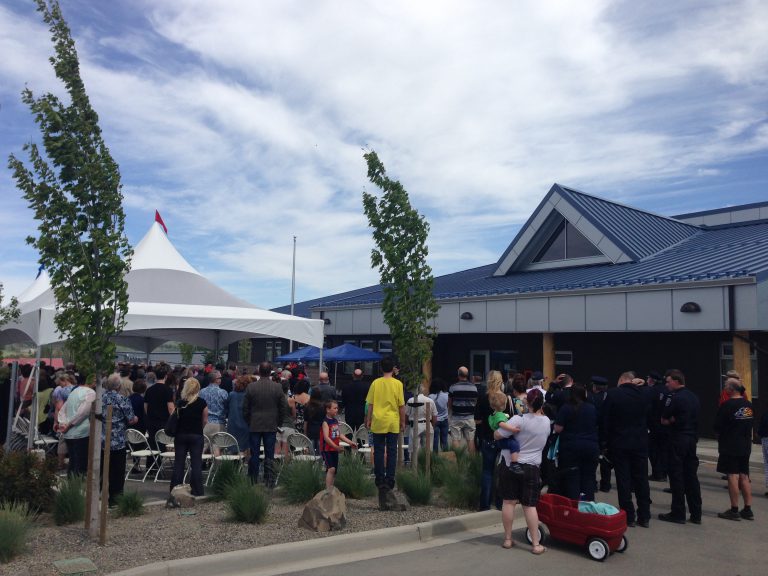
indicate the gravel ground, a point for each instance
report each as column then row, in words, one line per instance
column 162, row 534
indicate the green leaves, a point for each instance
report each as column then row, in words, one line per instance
column 400, row 235
column 74, row 190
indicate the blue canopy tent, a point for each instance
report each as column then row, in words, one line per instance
column 301, row 355
column 351, row 353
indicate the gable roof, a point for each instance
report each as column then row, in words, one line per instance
column 620, row 232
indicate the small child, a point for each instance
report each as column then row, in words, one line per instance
column 498, row 419
column 330, row 442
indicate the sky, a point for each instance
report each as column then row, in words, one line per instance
column 244, row 123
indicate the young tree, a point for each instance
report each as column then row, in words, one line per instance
column 74, row 190
column 187, row 352
column 8, row 312
column 400, row 235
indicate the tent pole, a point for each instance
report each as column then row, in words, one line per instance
column 293, row 289
column 11, row 389
column 216, row 349
column 33, row 407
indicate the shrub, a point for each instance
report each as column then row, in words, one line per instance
column 226, row 473
column 300, row 480
column 26, row 479
column 130, row 504
column 69, row 505
column 353, row 477
column 462, row 488
column 247, row 502
column 438, row 467
column 416, row 486
column 15, row 524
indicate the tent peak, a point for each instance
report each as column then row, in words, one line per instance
column 155, row 251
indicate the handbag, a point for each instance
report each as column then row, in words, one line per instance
column 172, row 424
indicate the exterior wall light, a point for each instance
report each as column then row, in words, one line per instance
column 690, row 307
column 466, row 316
column 326, row 321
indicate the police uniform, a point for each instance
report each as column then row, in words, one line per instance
column 625, row 420
column 682, row 408
column 598, row 398
column 658, row 441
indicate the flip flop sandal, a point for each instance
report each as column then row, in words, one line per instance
column 538, row 550
column 508, row 544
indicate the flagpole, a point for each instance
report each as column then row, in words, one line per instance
column 293, row 287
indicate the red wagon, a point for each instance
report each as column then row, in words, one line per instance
column 600, row 534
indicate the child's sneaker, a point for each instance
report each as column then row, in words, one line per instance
column 747, row 514
column 515, row 468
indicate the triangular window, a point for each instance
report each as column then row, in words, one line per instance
column 565, row 243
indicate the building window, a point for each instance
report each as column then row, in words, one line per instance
column 726, row 363
column 349, row 367
column 563, row 358
column 565, row 243
column 385, row 347
column 269, row 351
column 278, row 348
column 367, row 366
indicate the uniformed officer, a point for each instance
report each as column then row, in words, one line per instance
column 658, row 441
column 625, row 420
column 597, row 397
column 681, row 415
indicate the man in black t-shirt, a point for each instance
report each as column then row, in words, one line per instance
column 733, row 424
column 353, row 394
column 158, row 404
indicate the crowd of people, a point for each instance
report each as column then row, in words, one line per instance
column 528, row 432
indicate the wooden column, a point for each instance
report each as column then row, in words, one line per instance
column 426, row 370
column 742, row 362
column 548, row 357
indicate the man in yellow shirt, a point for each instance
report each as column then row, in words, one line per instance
column 385, row 419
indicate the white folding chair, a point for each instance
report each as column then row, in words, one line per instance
column 168, row 454
column 139, row 448
column 346, row 429
column 301, row 447
column 228, row 451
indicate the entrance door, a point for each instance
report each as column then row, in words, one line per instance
column 479, row 364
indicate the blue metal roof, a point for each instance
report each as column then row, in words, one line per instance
column 728, row 252
column 637, row 232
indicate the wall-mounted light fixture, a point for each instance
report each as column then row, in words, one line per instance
column 326, row 321
column 466, row 316
column 690, row 308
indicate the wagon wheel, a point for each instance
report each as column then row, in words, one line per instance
column 542, row 534
column 623, row 545
column 597, row 548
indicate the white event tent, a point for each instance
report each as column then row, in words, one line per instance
column 168, row 300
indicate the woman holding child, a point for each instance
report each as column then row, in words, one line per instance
column 526, row 487
column 484, row 442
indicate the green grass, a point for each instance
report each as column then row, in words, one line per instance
column 353, row 477
column 438, row 467
column 462, row 487
column 15, row 525
column 416, row 486
column 247, row 502
column 300, row 480
column 130, row 504
column 226, row 473
column 69, row 503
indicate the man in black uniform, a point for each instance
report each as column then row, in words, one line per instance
column 658, row 441
column 597, row 397
column 625, row 421
column 681, row 415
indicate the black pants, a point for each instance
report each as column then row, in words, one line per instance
column 191, row 444
column 579, row 463
column 116, row 473
column 658, row 446
column 683, row 476
column 77, row 449
column 631, row 468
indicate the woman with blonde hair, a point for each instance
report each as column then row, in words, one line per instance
column 484, row 441
column 192, row 417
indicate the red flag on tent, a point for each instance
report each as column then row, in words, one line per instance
column 159, row 220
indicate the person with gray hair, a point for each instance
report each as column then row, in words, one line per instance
column 122, row 418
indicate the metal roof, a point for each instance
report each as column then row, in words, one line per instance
column 730, row 252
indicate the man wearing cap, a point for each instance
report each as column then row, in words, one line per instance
column 462, row 399
column 597, row 397
column 658, row 435
column 734, row 422
column 681, row 416
column 625, row 421
column 537, row 381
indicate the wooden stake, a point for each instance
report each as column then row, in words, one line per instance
column 428, row 439
column 89, row 474
column 105, row 479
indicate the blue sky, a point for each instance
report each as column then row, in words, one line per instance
column 244, row 123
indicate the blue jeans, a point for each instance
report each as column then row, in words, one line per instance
column 269, row 439
column 489, row 453
column 441, row 435
column 382, row 442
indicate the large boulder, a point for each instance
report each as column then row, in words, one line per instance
column 325, row 512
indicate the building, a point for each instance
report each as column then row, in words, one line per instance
column 589, row 286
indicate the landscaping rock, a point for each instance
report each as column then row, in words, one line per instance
column 325, row 512
column 183, row 495
column 392, row 500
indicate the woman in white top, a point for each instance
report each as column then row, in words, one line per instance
column 526, row 487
